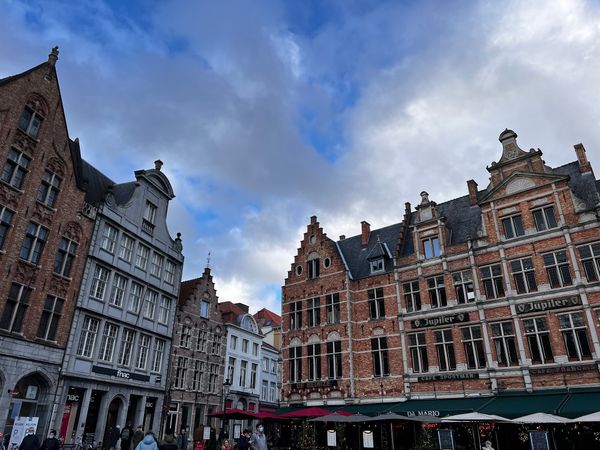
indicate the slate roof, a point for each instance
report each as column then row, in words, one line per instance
column 583, row 185
column 97, row 183
column 357, row 256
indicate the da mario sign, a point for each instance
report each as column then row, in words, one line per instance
column 546, row 305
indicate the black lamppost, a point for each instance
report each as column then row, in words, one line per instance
column 226, row 385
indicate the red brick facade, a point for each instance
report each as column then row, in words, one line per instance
column 513, row 269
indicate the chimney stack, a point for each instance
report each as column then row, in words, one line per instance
column 472, row 185
column 313, row 220
column 584, row 164
column 366, row 233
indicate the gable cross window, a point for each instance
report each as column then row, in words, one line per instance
column 15, row 168
column 30, row 122
column 49, row 188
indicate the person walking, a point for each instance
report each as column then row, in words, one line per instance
column 30, row 441
column 126, row 437
column 115, row 435
column 138, row 435
column 182, row 439
column 258, row 441
column 51, row 442
column 244, row 441
column 169, row 442
column 148, row 443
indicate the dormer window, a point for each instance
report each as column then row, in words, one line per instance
column 30, row 122
column 204, row 309
column 149, row 218
column 377, row 265
column 431, row 247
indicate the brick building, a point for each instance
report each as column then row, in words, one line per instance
column 493, row 293
column 44, row 235
column 198, row 355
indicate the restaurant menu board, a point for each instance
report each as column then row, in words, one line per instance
column 368, row 439
column 331, row 438
column 446, row 439
column 539, row 440
column 206, row 433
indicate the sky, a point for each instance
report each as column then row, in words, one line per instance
column 268, row 112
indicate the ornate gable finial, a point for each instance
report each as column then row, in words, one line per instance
column 53, row 56
column 510, row 148
column 208, row 261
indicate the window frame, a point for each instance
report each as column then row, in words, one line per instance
column 332, row 307
column 444, row 349
column 590, row 260
column 579, row 348
column 417, row 345
column 504, row 341
column 462, row 280
column 540, row 336
column 558, row 269
column 313, row 357
column 35, row 240
column 334, row 359
column 493, row 282
column 65, row 255
column 436, row 289
column 49, row 188
column 15, row 168
column 110, row 234
column 524, row 280
column 512, row 226
column 431, row 247
column 379, row 351
column 474, row 347
column 544, row 218
column 6, row 217
column 376, row 303
column 313, row 312
column 34, row 122
column 50, row 318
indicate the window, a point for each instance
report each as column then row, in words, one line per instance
column 513, row 226
column 557, row 268
column 202, row 341
column 313, row 354
column 377, row 265
column 15, row 168
column 6, row 216
column 573, row 328
column 313, row 268
column 492, row 281
column 412, row 297
column 273, row 366
column 151, row 298
column 64, row 257
column 272, row 396
column 253, row 370
column 159, row 351
column 180, row 372
column 107, row 344
column 589, row 254
column 109, row 238
column 118, row 290
column 185, row 337
column 170, row 272
column 50, row 318
column 380, row 357
column 431, row 247
column 49, row 188
column 141, row 260
column 231, row 369
column 504, row 343
column 127, row 340
column 213, row 378
column 313, row 312
column 30, row 122
column 198, row 369
column 295, row 316
column 463, row 286
column 34, row 242
column 473, row 343
column 204, row 307
column 437, row 291
column 538, row 339
column 264, row 391
column 135, row 297
column 544, row 218
column 334, row 359
column 418, row 352
column 99, row 281
column 245, row 345
column 163, row 310
column 376, row 303
column 126, row 250
column 233, row 342
column 243, row 369
column 265, row 364
column 156, row 265
column 87, row 339
column 216, row 345
column 143, row 349
column 332, row 307
column 15, row 308
column 149, row 217
column 255, row 349
column 295, row 364
column 444, row 347
column 523, row 275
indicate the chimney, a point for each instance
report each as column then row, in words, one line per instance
column 313, row 220
column 342, row 237
column 366, row 232
column 472, row 185
column 53, row 56
column 584, row 164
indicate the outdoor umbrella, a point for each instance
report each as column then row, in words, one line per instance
column 234, row 414
column 541, row 418
column 269, row 415
column 593, row 417
column 475, row 417
column 337, row 417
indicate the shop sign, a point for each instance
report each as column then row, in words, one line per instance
column 440, row 320
column 449, row 376
column 431, row 412
column 546, row 305
column 149, row 404
column 314, row 384
column 73, row 398
column 562, row 369
column 123, row 374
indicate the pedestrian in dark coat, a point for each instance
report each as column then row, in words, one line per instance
column 115, row 435
column 137, row 437
column 126, row 437
column 169, row 442
column 51, row 442
column 30, row 441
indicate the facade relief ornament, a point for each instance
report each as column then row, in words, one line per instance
column 73, row 231
column 519, row 184
column 42, row 214
column 25, row 273
column 24, row 142
column 59, row 286
column 9, row 197
column 57, row 166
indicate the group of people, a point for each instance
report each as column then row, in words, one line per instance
column 248, row 440
column 140, row 440
column 31, row 442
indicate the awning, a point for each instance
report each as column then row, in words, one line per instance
column 523, row 403
column 369, row 409
column 234, row 414
column 440, row 407
column 311, row 412
column 580, row 403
